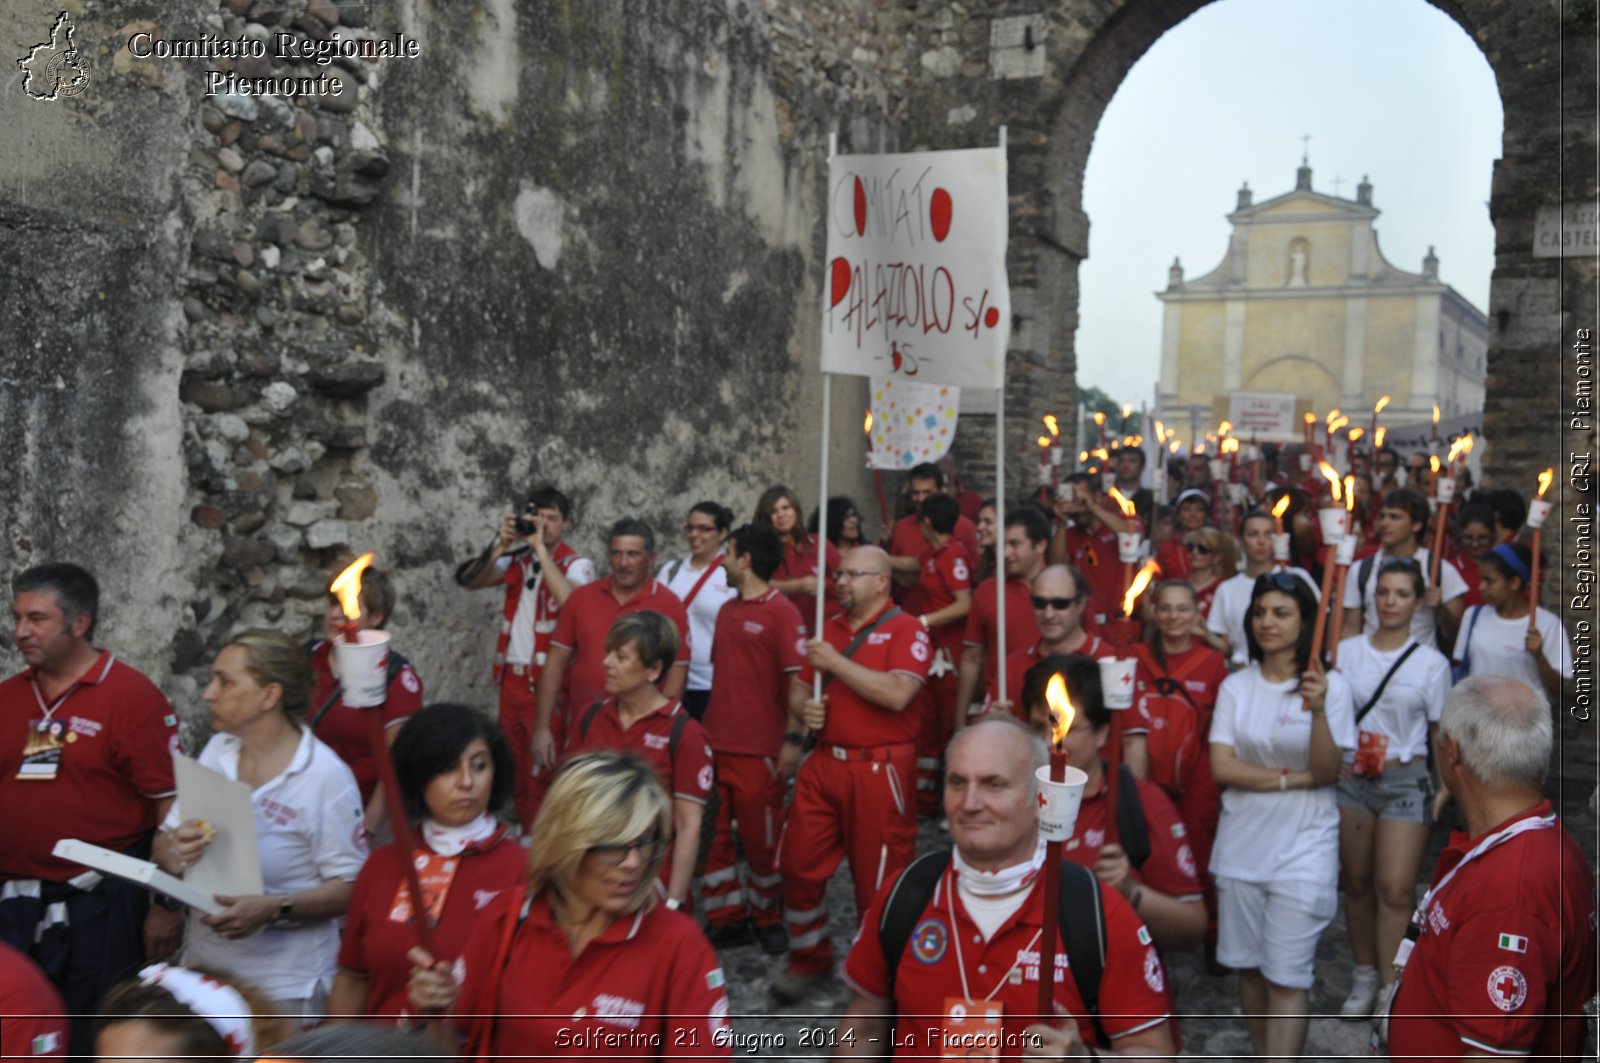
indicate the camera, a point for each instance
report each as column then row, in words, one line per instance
column 523, row 525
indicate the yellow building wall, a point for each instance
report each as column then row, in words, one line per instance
column 1200, row 351
column 1391, row 340
column 1310, row 328
column 1267, row 256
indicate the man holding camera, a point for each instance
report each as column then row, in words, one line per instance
column 539, row 571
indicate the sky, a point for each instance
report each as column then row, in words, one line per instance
column 1388, row 88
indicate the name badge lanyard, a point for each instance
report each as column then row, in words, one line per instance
column 961, row 966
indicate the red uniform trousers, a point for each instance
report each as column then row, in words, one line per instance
column 936, row 702
column 1199, row 807
column 849, row 803
column 750, row 793
column 519, row 709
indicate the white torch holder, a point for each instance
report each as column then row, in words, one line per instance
column 1116, row 681
column 1445, row 489
column 1055, row 455
column 1538, row 510
column 1345, row 552
column 1058, row 812
column 1128, row 544
column 1044, row 474
column 364, row 668
column 1280, row 546
column 1305, row 461
column 1219, row 468
column 1331, row 520
column 1236, row 494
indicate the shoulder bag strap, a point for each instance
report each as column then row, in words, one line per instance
column 716, row 563
column 1376, row 694
column 861, row 638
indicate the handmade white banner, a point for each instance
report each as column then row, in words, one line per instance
column 911, row 423
column 916, row 286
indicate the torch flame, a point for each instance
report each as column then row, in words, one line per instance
column 1311, row 418
column 1468, row 448
column 1127, row 410
column 1099, row 417
column 1460, row 448
column 1338, row 423
column 1349, row 494
column 1083, row 457
column 1332, row 477
column 1140, row 582
column 1356, row 434
column 867, row 425
column 1224, row 428
column 1061, row 710
column 1123, row 503
column 1379, row 407
column 1378, row 439
column 1161, row 432
column 1051, row 423
column 1176, row 446
column 1230, row 445
column 1044, row 441
column 347, row 587
column 1433, row 463
column 1545, row 479
column 1436, row 413
column 1333, row 415
column 1101, row 453
column 1281, row 508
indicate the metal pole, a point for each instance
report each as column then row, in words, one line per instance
column 822, row 500
column 1000, row 511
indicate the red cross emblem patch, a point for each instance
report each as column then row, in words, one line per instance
column 1507, row 988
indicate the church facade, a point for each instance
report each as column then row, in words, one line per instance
column 1304, row 303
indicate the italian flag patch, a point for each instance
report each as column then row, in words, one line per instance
column 1513, row 943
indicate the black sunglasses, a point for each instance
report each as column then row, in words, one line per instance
column 1277, row 581
column 1198, row 548
column 1060, row 605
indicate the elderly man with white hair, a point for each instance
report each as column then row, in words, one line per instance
column 1500, row 955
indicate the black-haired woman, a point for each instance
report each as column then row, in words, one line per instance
column 701, row 584
column 1278, row 733
column 1495, row 638
column 455, row 770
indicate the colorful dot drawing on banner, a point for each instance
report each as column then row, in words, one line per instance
column 912, row 423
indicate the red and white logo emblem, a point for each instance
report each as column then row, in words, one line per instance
column 704, row 778
column 919, row 650
column 408, row 679
column 959, row 569
column 1507, row 988
column 1152, row 971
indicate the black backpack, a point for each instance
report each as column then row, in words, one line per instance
column 392, row 669
column 1083, row 940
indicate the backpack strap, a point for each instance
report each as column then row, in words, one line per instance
column 679, row 721
column 1363, row 571
column 1084, row 940
column 1466, row 648
column 392, row 669
column 588, row 718
column 1132, row 826
column 908, row 898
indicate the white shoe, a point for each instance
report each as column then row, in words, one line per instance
column 1363, row 994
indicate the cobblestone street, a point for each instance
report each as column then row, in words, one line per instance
column 1211, row 1026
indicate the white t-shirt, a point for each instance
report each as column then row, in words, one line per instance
column 310, row 829
column 1497, row 646
column 1410, row 701
column 1232, row 601
column 1451, row 587
column 702, row 612
column 1277, row 836
column 520, row 650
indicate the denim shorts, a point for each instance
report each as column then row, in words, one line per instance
column 1404, row 792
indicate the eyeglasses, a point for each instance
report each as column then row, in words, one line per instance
column 1277, row 581
column 703, row 529
column 1060, row 605
column 854, row 573
column 652, row 849
column 1198, row 548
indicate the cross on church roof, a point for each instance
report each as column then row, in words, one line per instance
column 1305, row 149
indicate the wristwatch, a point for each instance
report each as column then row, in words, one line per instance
column 673, row 904
column 794, row 738
column 285, row 908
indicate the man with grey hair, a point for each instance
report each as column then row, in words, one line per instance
column 1500, row 954
column 962, row 970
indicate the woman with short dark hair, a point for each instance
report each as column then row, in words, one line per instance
column 701, row 583
column 455, row 771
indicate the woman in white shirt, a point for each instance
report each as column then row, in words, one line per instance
column 1277, row 735
column 1385, row 789
column 1495, row 638
column 701, row 584
column 308, row 820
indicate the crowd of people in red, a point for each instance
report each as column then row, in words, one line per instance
column 680, row 759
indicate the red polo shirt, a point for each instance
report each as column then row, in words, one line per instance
column 33, row 1020
column 344, row 730
column 899, row 646
column 982, row 627
column 588, row 615
column 119, row 734
column 1170, row 867
column 1017, row 666
column 907, row 541
column 757, row 648
column 946, row 572
column 798, row 566
column 1133, row 993
column 1507, row 956
column 685, row 773
column 374, row 944
column 648, row 987
column 1095, row 555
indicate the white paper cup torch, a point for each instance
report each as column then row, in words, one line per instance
column 1116, row 681
column 1345, row 553
column 1044, row 474
column 1218, row 467
column 1058, row 807
column 1445, row 489
column 1108, row 481
column 1332, row 522
column 1055, row 455
column 1128, row 547
column 1236, row 494
column 1280, row 546
column 1538, row 510
column 364, row 668
column 1305, row 461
